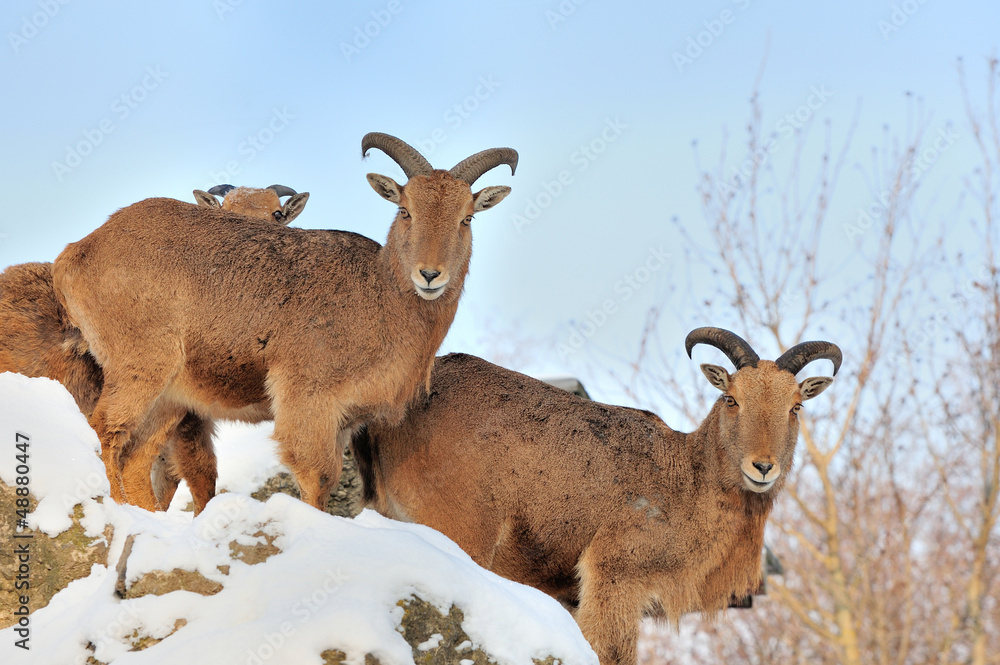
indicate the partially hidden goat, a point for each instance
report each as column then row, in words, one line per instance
column 37, row 340
column 606, row 508
column 261, row 203
column 195, row 309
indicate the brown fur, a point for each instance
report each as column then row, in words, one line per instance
column 37, row 340
column 319, row 330
column 605, row 508
column 260, row 203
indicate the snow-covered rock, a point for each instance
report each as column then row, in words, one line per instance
column 246, row 581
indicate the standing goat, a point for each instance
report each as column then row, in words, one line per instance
column 37, row 340
column 605, row 508
column 193, row 309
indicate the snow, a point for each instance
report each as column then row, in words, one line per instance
column 333, row 585
column 432, row 642
column 59, row 436
column 247, row 457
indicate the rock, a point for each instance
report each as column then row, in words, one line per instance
column 54, row 562
column 256, row 553
column 436, row 638
column 334, row 657
column 90, row 656
column 345, row 501
column 451, row 646
column 140, row 642
column 158, row 582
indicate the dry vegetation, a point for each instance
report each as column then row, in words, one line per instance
column 888, row 531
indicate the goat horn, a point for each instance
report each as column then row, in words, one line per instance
column 800, row 355
column 470, row 168
column 411, row 161
column 281, row 190
column 220, row 190
column 737, row 349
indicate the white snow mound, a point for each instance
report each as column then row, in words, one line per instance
column 334, row 584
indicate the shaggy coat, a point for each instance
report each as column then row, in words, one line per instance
column 37, row 340
column 196, row 309
column 605, row 508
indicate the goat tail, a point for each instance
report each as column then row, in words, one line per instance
column 364, row 447
column 73, row 341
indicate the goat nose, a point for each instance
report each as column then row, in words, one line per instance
column 763, row 467
column 429, row 275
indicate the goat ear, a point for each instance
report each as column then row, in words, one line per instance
column 814, row 385
column 489, row 197
column 385, row 186
column 717, row 376
column 293, row 207
column 205, row 199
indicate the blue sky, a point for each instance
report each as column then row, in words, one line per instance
column 112, row 102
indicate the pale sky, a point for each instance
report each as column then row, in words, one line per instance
column 109, row 103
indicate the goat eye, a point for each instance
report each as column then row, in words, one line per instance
column 404, row 213
column 796, row 408
column 467, row 220
column 730, row 400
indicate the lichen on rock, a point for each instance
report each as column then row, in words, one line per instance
column 421, row 620
column 54, row 561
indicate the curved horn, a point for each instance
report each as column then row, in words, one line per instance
column 411, row 161
column 737, row 349
column 800, row 355
column 220, row 190
column 281, row 190
column 470, row 168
